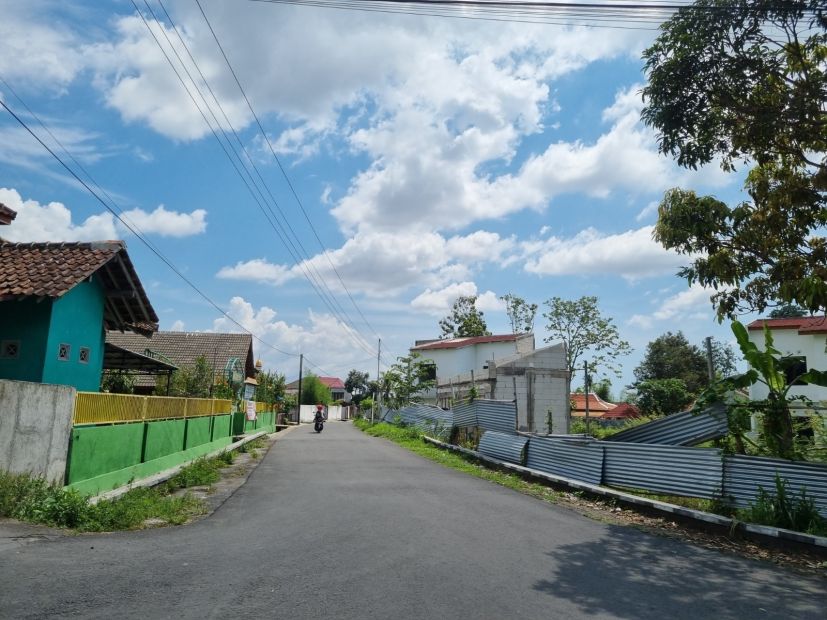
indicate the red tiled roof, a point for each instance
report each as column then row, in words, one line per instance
column 596, row 404
column 622, row 411
column 458, row 343
column 804, row 324
column 334, row 383
column 53, row 269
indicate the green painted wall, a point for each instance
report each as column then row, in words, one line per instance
column 77, row 320
column 26, row 321
column 97, row 450
column 222, row 426
column 104, row 457
column 164, row 437
column 199, row 432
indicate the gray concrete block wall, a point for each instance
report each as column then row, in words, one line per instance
column 35, row 426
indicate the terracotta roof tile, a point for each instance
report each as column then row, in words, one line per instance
column 804, row 324
column 184, row 348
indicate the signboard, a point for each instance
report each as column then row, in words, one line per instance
column 251, row 410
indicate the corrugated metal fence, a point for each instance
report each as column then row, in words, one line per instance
column 428, row 417
column 504, row 446
column 744, row 474
column 580, row 459
column 491, row 415
column 680, row 429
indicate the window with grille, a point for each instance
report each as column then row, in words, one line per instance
column 83, row 355
column 10, row 349
column 63, row 351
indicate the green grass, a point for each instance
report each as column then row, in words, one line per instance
column 411, row 439
column 33, row 500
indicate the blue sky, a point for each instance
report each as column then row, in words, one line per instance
column 433, row 157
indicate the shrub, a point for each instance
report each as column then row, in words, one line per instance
column 785, row 511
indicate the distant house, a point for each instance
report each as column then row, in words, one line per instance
column 597, row 406
column 537, row 380
column 800, row 337
column 455, row 356
column 230, row 356
column 334, row 384
column 56, row 302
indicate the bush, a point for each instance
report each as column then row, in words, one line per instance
column 782, row 510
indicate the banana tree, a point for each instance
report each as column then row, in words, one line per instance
column 768, row 366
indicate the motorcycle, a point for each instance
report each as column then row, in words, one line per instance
column 318, row 422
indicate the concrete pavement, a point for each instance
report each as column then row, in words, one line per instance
column 341, row 525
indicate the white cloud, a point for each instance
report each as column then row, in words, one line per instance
column 323, row 339
column 691, row 304
column 256, row 270
column 631, row 254
column 168, row 223
column 53, row 222
column 177, row 326
column 647, row 211
column 35, row 51
column 439, row 302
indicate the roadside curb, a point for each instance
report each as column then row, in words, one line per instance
column 165, row 475
column 706, row 518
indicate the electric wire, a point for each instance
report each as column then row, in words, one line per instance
column 261, row 205
column 281, row 167
column 134, row 230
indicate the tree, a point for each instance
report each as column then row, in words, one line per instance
column 723, row 359
column 193, row 381
column 520, row 314
column 405, row 381
column 270, row 388
column 787, row 311
column 670, row 356
column 357, row 384
column 746, row 82
column 778, row 374
column 603, row 389
column 118, row 382
column 464, row 320
column 314, row 392
column 581, row 328
column 658, row 397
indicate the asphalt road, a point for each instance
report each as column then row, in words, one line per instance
column 341, row 525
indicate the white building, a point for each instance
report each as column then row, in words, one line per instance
column 537, row 380
column 455, row 356
column 801, row 337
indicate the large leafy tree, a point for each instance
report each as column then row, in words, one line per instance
column 746, row 81
column 270, row 388
column 658, row 397
column 671, row 356
column 579, row 324
column 314, row 392
column 520, row 313
column 194, row 381
column 357, row 384
column 464, row 319
column 787, row 311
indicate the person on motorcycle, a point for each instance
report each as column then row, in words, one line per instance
column 318, row 419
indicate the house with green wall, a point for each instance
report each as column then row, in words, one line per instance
column 57, row 300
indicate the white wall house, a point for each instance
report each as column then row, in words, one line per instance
column 804, row 337
column 538, row 381
column 455, row 356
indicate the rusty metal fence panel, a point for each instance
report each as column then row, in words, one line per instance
column 672, row 470
column 505, row 447
column 744, row 475
column 679, row 429
column 579, row 459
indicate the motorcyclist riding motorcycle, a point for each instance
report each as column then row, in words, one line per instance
column 318, row 419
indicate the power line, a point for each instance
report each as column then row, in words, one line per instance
column 133, row 229
column 328, row 299
column 281, row 168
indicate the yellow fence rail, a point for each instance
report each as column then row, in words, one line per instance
column 102, row 408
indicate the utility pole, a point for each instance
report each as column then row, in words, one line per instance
column 586, row 387
column 710, row 365
column 299, row 399
column 378, row 402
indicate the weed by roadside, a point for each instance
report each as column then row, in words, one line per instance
column 252, row 447
column 34, row 500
